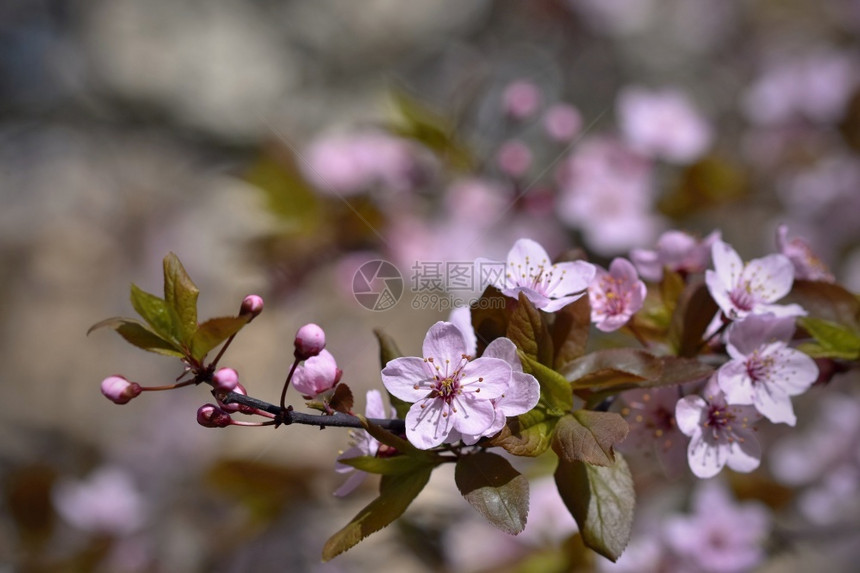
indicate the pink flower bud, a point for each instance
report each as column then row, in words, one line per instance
column 317, row 374
column 225, row 379
column 233, row 406
column 562, row 122
column 520, row 99
column 119, row 390
column 211, row 416
column 310, row 340
column 251, row 304
column 514, row 158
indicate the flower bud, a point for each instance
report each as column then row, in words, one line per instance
column 310, row 340
column 119, row 390
column 317, row 374
column 514, row 158
column 521, row 99
column 251, row 305
column 211, row 416
column 225, row 379
column 233, row 406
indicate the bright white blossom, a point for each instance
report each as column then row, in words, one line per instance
column 720, row 433
column 807, row 265
column 763, row 370
column 750, row 288
column 363, row 445
column 615, row 295
column 676, row 250
column 549, row 287
column 450, row 391
column 721, row 535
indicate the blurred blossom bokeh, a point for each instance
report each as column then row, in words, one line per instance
column 276, row 146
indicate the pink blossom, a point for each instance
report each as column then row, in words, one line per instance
column 119, row 390
column 721, row 536
column 521, row 396
column 676, row 250
column 310, row 341
column 807, row 265
column 720, row 433
column 521, row 99
column 615, row 295
column 350, row 163
column 363, row 445
column 514, row 158
column 607, row 191
column 450, row 391
column 763, row 370
column 549, row 287
column 107, row 502
column 650, row 413
column 663, row 124
column 316, row 375
column 750, row 288
column 562, row 122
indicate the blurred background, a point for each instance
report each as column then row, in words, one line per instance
column 275, row 146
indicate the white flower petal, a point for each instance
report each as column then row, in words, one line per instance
column 485, row 377
column 744, row 452
column 504, row 349
column 406, row 378
column 688, row 414
column 706, row 459
column 522, row 395
column 774, row 404
column 426, row 427
column 473, row 415
column 444, row 341
column 769, row 277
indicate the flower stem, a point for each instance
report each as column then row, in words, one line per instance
column 168, row 386
column 287, row 384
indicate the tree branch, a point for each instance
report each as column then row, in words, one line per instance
column 289, row 416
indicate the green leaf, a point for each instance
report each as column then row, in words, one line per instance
column 388, row 351
column 589, row 436
column 157, row 314
column 395, row 495
column 529, row 434
column 570, row 332
column 490, row 316
column 136, row 333
column 393, row 465
column 213, row 332
column 693, row 314
column 529, row 331
column 555, row 390
column 826, row 301
column 601, row 500
column 495, row 489
column 180, row 294
column 834, row 340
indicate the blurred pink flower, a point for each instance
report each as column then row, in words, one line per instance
column 650, row 413
column 720, row 434
column 514, row 158
column 607, row 191
column 763, row 370
column 677, row 250
column 350, row 163
column 562, row 122
column 521, row 99
column 720, row 536
column 815, row 86
column 107, row 502
column 664, row 124
column 742, row 288
column 615, row 295
column 363, row 445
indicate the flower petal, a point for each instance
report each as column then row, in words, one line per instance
column 407, row 378
column 461, row 317
column 688, row 414
column 573, row 277
column 744, row 452
column 504, row 349
column 769, row 277
column 728, row 265
column 486, row 377
column 524, row 258
column 444, row 341
column 706, row 458
column 473, row 415
column 735, row 382
column 521, row 396
column 774, row 404
column 426, row 427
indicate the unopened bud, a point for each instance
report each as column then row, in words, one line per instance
column 317, row 375
column 251, row 305
column 225, row 379
column 119, row 390
column 514, row 158
column 211, row 416
column 521, row 99
column 310, row 341
column 235, row 406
